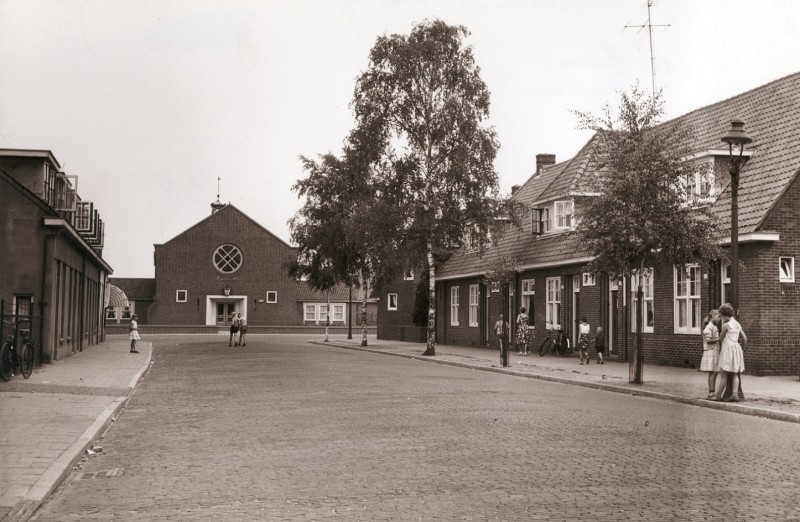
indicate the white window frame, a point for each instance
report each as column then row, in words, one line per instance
column 111, row 313
column 454, row 291
column 648, row 290
column 547, row 224
column 564, row 212
column 178, row 296
column 338, row 313
column 474, row 297
column 725, row 282
column 391, row 302
column 312, row 308
column 687, row 295
column 553, row 302
column 588, row 279
column 527, row 294
column 272, row 296
column 408, row 275
column 786, row 270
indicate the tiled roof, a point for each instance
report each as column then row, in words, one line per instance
column 135, row 288
column 339, row 293
column 771, row 118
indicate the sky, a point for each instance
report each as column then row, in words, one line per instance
column 149, row 102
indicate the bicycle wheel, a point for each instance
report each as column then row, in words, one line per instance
column 562, row 347
column 6, row 362
column 545, row 347
column 26, row 361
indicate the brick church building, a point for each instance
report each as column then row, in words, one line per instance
column 229, row 264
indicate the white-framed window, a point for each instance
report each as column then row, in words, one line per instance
column 180, row 296
column 474, row 294
column 528, row 293
column 700, row 185
column 111, row 313
column 391, row 302
column 338, row 313
column 564, row 214
column 408, row 275
column 553, row 300
column 272, row 296
column 787, row 269
column 453, row 306
column 725, row 280
column 588, row 279
column 576, row 284
column 648, row 313
column 310, row 312
column 687, row 300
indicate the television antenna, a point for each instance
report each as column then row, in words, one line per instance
column 650, row 26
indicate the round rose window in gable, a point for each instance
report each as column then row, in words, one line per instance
column 227, row 258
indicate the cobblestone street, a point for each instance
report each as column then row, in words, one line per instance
column 286, row 430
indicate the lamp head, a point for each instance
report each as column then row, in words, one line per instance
column 736, row 137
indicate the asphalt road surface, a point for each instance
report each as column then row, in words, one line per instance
column 285, row 430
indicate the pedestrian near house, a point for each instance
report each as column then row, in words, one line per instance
column 731, row 355
column 600, row 345
column 710, row 361
column 499, row 327
column 234, row 330
column 523, row 337
column 584, row 329
column 134, row 332
column 242, row 331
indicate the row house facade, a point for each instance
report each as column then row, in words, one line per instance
column 552, row 283
column 223, row 265
column 53, row 278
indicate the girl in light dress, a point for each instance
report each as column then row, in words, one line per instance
column 731, row 356
column 134, row 335
column 710, row 361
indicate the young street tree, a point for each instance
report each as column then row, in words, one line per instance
column 642, row 216
column 421, row 109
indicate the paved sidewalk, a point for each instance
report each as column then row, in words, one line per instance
column 49, row 420
column 772, row 397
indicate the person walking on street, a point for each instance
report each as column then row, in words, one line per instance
column 134, row 332
column 242, row 330
column 710, row 361
column 600, row 345
column 583, row 339
column 499, row 327
column 234, row 330
column 731, row 355
column 522, row 332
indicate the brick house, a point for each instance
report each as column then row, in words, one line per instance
column 52, row 269
column 227, row 263
column 395, row 309
column 552, row 284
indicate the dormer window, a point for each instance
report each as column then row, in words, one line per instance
column 564, row 217
column 700, row 186
column 540, row 220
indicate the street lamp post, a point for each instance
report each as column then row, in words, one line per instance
column 736, row 138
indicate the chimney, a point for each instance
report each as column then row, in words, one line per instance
column 544, row 160
column 514, row 189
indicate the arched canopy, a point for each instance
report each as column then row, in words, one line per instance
column 116, row 298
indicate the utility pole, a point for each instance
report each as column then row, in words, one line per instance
column 650, row 26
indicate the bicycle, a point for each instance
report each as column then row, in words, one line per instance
column 560, row 342
column 12, row 359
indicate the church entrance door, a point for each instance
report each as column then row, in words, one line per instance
column 224, row 313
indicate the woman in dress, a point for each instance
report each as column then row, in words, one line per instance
column 731, row 356
column 710, row 361
column 522, row 332
column 134, row 335
column 583, row 339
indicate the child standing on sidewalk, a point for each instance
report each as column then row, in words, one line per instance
column 600, row 345
column 499, row 326
column 134, row 335
column 583, row 339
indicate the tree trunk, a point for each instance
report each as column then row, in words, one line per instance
column 637, row 354
column 350, row 313
column 430, row 349
column 328, row 313
column 365, row 295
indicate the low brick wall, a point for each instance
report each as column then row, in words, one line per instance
column 394, row 332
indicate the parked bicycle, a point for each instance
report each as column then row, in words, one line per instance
column 13, row 359
column 556, row 340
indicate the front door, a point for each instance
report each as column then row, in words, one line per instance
column 224, row 313
column 613, row 322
